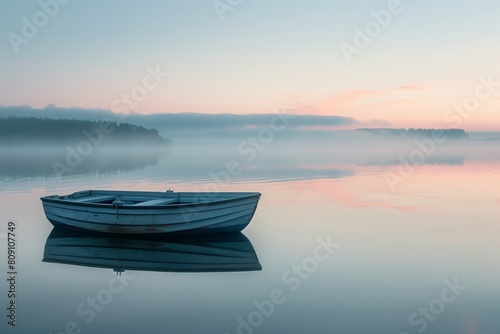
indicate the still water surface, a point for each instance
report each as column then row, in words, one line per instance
column 340, row 252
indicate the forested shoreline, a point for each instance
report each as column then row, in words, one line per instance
column 33, row 130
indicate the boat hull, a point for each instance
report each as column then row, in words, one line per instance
column 219, row 214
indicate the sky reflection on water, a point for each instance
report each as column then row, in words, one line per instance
column 397, row 249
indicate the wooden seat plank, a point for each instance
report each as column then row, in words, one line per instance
column 94, row 198
column 157, row 201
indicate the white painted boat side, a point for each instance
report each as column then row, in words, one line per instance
column 224, row 212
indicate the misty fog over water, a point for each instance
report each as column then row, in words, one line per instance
column 412, row 213
column 282, row 155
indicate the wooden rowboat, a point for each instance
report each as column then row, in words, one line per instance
column 229, row 252
column 152, row 213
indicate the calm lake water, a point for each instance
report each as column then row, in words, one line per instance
column 344, row 248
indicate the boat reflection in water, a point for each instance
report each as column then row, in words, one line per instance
column 217, row 253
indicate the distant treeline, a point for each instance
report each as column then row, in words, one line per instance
column 30, row 130
column 412, row 133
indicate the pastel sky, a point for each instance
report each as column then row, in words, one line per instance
column 256, row 56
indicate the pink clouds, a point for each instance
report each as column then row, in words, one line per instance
column 411, row 105
column 356, row 96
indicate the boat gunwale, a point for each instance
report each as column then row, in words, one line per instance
column 249, row 195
